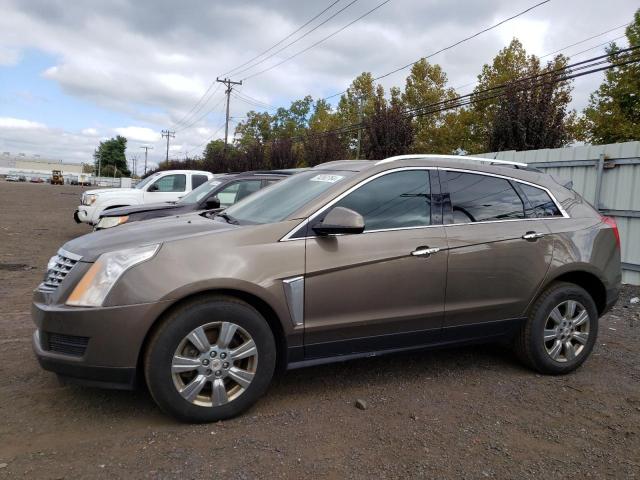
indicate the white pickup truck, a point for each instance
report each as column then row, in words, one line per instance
column 167, row 186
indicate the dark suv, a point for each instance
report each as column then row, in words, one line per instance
column 348, row 259
column 221, row 191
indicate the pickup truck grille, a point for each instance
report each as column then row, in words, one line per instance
column 63, row 262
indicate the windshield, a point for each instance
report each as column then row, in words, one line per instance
column 277, row 202
column 199, row 193
column 142, row 183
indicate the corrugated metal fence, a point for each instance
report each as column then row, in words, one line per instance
column 608, row 176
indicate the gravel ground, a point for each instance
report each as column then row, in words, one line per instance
column 460, row 413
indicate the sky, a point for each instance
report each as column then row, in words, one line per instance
column 75, row 73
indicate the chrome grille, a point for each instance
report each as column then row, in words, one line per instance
column 59, row 267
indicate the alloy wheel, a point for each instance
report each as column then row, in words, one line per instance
column 566, row 331
column 214, row 364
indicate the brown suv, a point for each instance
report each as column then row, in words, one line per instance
column 348, row 259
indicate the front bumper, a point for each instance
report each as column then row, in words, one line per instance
column 94, row 346
column 87, row 214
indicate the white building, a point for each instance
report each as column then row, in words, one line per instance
column 35, row 166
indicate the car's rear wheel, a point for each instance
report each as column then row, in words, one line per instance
column 210, row 359
column 560, row 331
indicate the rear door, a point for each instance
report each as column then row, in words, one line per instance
column 379, row 289
column 499, row 252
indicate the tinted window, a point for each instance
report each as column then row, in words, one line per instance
column 394, row 200
column 247, row 187
column 481, row 198
column 227, row 195
column 197, row 180
column 277, row 202
column 171, row 183
column 540, row 203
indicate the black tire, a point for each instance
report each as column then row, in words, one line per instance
column 529, row 343
column 176, row 326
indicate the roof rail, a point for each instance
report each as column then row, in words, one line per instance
column 450, row 157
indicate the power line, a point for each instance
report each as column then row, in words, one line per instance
column 285, row 38
column 484, row 30
column 253, row 103
column 500, row 90
column 584, row 40
column 320, row 41
column 298, row 39
column 201, row 117
column 195, row 110
column 573, row 55
column 203, row 102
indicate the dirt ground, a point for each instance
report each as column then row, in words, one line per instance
column 463, row 413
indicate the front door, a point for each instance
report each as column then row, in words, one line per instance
column 168, row 188
column 381, row 289
column 498, row 253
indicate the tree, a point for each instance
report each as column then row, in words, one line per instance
column 434, row 132
column 613, row 113
column 524, row 117
column 388, row 130
column 318, row 145
column 111, row 153
column 532, row 114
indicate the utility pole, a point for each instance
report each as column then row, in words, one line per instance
column 146, row 151
column 169, row 134
column 360, row 100
column 229, row 84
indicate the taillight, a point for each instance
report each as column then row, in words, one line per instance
column 612, row 223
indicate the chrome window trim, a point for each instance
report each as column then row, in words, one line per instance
column 287, row 237
column 475, row 172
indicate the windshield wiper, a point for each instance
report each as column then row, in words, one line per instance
column 227, row 217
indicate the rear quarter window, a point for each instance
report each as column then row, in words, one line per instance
column 540, row 203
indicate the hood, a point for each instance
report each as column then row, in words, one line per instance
column 118, row 191
column 92, row 245
column 149, row 207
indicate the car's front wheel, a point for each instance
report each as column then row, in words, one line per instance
column 560, row 331
column 210, row 359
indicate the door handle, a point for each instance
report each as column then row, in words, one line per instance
column 424, row 251
column 532, row 236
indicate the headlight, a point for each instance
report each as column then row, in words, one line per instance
column 89, row 199
column 108, row 222
column 96, row 284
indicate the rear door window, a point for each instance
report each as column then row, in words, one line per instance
column 540, row 203
column 197, row 180
column 482, row 198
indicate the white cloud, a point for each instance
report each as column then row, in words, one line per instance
column 90, row 132
column 19, row 123
column 141, row 134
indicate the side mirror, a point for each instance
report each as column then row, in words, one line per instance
column 153, row 188
column 212, row 202
column 340, row 220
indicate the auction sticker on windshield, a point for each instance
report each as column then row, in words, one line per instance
column 326, row 178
